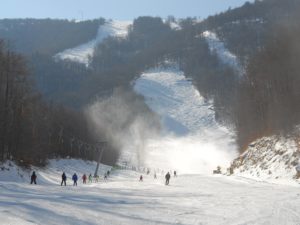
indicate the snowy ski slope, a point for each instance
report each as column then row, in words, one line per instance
column 123, row 200
column 192, row 141
column 83, row 52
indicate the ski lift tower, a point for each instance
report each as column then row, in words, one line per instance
column 101, row 147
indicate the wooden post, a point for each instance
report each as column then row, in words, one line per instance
column 101, row 145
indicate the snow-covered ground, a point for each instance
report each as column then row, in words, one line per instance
column 218, row 47
column 190, row 199
column 192, row 141
column 83, row 52
column 10, row 172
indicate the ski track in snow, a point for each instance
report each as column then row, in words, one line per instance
column 171, row 95
column 190, row 199
column 83, row 52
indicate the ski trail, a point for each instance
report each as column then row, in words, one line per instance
column 82, row 53
column 191, row 141
column 217, row 46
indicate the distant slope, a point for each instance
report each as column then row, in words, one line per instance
column 192, row 142
column 217, row 46
column 245, row 29
column 84, row 52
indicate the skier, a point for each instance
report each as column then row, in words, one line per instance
column 108, row 173
column 84, row 178
column 75, row 178
column 105, row 176
column 96, row 178
column 141, row 178
column 33, row 178
column 63, row 179
column 155, row 176
column 175, row 173
column 168, row 176
column 90, row 178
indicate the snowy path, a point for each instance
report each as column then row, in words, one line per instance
column 190, row 199
column 217, row 46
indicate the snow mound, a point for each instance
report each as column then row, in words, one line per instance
column 82, row 53
column 217, row 46
column 271, row 159
column 10, row 172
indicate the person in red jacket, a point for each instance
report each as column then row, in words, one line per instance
column 84, row 177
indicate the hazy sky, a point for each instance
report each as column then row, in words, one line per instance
column 114, row 9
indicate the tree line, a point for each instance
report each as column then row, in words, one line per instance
column 47, row 36
column 32, row 130
column 269, row 94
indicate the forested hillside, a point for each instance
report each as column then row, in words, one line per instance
column 265, row 36
column 46, row 36
column 32, row 130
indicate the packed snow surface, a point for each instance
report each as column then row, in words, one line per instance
column 192, row 141
column 217, row 46
column 122, row 199
column 83, row 52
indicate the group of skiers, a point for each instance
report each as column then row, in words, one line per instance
column 74, row 178
column 167, row 176
column 90, row 178
column 64, row 179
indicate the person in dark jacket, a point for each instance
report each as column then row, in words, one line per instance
column 63, row 179
column 75, row 178
column 33, row 178
column 168, row 176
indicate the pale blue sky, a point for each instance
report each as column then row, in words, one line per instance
column 114, row 9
